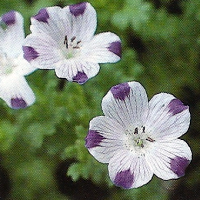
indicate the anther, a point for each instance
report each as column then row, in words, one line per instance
column 66, row 42
column 143, row 129
column 150, row 139
column 136, row 131
column 73, row 38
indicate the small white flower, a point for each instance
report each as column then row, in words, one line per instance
column 14, row 89
column 63, row 39
column 139, row 138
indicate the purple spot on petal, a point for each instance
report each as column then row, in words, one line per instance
column 93, row 139
column 42, row 16
column 80, row 78
column 116, row 48
column 30, row 53
column 18, row 103
column 176, row 106
column 120, row 91
column 9, row 18
column 124, row 179
column 178, row 165
column 77, row 9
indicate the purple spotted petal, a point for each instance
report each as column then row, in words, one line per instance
column 124, row 179
column 9, row 18
column 42, row 16
column 178, row 165
column 18, row 103
column 80, row 78
column 30, row 53
column 93, row 139
column 176, row 106
column 77, row 9
column 116, row 48
column 120, row 91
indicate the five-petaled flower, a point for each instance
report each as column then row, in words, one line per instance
column 63, row 39
column 140, row 138
column 14, row 89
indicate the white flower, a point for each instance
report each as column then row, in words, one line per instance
column 139, row 138
column 14, row 89
column 63, row 39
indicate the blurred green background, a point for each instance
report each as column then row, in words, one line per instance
column 42, row 153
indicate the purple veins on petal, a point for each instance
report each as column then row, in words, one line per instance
column 30, row 53
column 116, row 48
column 42, row 16
column 176, row 106
column 120, row 91
column 18, row 103
column 77, row 9
column 80, row 78
column 178, row 165
column 124, row 179
column 9, row 17
column 93, row 139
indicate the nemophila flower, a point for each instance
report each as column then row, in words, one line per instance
column 14, row 89
column 63, row 39
column 139, row 138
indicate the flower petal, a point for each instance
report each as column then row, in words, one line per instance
column 49, row 21
column 77, row 20
column 77, row 9
column 104, row 138
column 103, row 48
column 11, row 33
column 126, row 103
column 83, row 21
column 76, row 70
column 22, row 67
column 41, row 51
column 168, row 117
column 15, row 91
column 129, row 170
column 169, row 159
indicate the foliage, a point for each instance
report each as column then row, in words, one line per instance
column 160, row 50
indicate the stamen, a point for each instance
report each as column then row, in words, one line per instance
column 136, row 131
column 66, row 42
column 143, row 129
column 73, row 38
column 78, row 42
column 150, row 139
